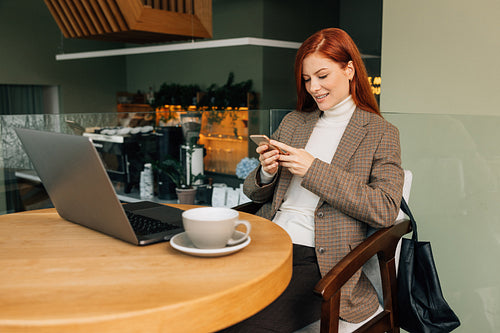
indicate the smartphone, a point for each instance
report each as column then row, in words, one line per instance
column 261, row 138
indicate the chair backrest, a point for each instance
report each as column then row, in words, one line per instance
column 371, row 267
column 406, row 192
column 402, row 216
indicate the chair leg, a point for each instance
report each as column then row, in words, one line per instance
column 390, row 303
column 330, row 314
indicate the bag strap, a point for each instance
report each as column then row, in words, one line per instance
column 406, row 210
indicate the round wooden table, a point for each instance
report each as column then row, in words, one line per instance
column 62, row 277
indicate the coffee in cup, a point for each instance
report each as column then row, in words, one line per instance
column 213, row 227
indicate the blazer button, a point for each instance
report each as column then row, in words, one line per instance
column 321, row 250
column 320, row 214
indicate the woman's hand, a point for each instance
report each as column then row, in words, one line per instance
column 268, row 158
column 297, row 161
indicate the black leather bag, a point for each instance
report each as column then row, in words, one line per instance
column 422, row 307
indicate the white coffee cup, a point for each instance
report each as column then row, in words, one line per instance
column 213, row 227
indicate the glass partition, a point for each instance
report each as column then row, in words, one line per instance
column 455, row 162
column 128, row 140
column 224, row 134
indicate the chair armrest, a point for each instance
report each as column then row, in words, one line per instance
column 383, row 242
column 250, row 207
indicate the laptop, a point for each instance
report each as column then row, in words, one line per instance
column 78, row 185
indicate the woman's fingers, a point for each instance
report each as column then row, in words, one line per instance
column 284, row 149
column 268, row 158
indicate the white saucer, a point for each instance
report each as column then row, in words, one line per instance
column 182, row 243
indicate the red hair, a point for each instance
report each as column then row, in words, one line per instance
column 337, row 45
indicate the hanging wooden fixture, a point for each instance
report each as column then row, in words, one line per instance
column 133, row 21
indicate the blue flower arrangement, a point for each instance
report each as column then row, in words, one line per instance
column 245, row 166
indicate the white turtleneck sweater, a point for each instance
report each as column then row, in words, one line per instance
column 296, row 214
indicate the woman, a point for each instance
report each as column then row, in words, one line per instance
column 341, row 173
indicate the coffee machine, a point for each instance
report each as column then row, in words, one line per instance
column 124, row 154
column 192, row 153
column 170, row 139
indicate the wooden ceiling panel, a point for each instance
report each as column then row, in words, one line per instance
column 133, row 21
column 61, row 20
column 83, row 15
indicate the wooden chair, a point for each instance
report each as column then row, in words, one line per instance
column 382, row 243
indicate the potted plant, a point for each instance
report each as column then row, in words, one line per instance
column 181, row 176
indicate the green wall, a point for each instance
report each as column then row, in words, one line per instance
column 270, row 69
column 30, row 40
column 441, row 56
column 365, row 28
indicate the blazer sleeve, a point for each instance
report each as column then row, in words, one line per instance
column 256, row 191
column 371, row 196
column 252, row 186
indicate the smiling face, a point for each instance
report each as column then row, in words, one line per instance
column 325, row 80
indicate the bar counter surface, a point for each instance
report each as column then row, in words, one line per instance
column 58, row 276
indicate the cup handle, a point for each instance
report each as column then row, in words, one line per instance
column 241, row 239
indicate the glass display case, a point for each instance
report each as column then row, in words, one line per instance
column 224, row 134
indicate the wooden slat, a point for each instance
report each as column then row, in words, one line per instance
column 118, row 15
column 180, row 6
column 78, row 19
column 58, row 19
column 70, row 18
column 164, row 4
column 171, row 6
column 93, row 17
column 109, row 15
column 100, row 16
column 85, row 17
column 188, row 6
column 64, row 19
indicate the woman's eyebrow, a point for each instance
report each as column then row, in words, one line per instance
column 319, row 70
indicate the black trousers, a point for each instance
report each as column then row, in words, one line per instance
column 296, row 307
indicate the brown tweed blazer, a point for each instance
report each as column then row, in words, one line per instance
column 361, row 186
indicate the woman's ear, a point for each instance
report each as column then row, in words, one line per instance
column 349, row 70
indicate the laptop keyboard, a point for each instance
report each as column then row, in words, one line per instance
column 143, row 225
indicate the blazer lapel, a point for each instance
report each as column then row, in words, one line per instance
column 353, row 135
column 303, row 133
